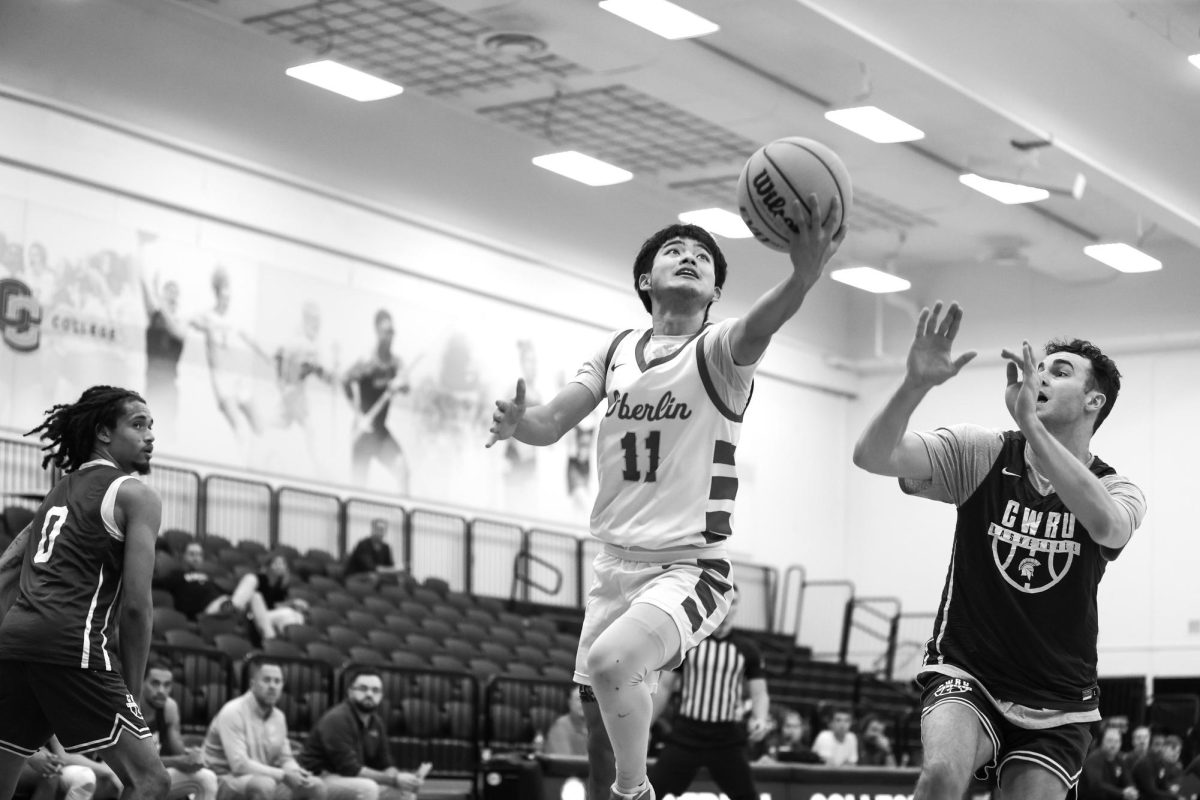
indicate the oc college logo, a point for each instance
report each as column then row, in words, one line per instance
column 20, row 316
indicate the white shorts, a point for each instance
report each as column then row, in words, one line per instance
column 695, row 593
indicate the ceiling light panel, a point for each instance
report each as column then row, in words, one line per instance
column 1003, row 191
column 343, row 80
column 415, row 43
column 625, row 126
column 583, row 168
column 875, row 124
column 871, row 280
column 718, row 221
column 661, row 17
column 1123, row 257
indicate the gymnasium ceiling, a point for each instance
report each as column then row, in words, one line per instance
column 1039, row 90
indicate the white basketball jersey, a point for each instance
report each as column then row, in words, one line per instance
column 664, row 450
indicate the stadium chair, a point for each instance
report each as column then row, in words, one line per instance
column 166, row 619
column 522, row 670
column 448, row 613
column 16, row 518
column 213, row 543
column 480, row 616
column 232, row 645
column 405, row 658
column 176, row 541
column 394, row 592
column 510, row 619
column 558, row 673
column 472, row 632
column 401, row 624
column 281, row 647
column 305, row 568
column 568, row 641
column 496, row 651
column 161, row 598
column 484, row 668
column 459, row 600
column 438, row 628
column 287, row 551
column 328, row 653
column 255, row 550
column 551, row 695
column 441, row 688
column 361, row 585
column 211, row 625
column 365, row 654
column 543, row 624
column 460, row 648
column 321, row 617
column 363, row 621
column 322, row 584
column 492, row 604
column 538, row 639
column 460, row 720
column 422, row 718
column 530, row 655
column 301, row 635
column 230, row 557
column 414, row 609
column 305, row 593
column 179, row 637
column 542, row 717
column 506, row 636
column 384, row 641
column 426, row 596
column 438, row 585
column 562, row 657
column 342, row 602
column 345, row 637
column 420, row 643
column 165, row 565
column 378, row 605
column 505, row 725
column 319, row 554
column 441, row 661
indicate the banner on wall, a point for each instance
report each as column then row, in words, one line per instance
column 288, row 362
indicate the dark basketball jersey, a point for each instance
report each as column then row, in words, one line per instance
column 70, row 592
column 163, row 348
column 1018, row 610
column 373, row 377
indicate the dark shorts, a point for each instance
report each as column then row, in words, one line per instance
column 1059, row 750
column 375, row 444
column 86, row 709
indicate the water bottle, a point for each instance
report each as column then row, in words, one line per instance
column 539, row 743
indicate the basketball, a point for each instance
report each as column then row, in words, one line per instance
column 785, row 169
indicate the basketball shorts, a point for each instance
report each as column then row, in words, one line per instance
column 694, row 593
column 86, row 709
column 1059, row 750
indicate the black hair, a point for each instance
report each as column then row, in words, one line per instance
column 256, row 666
column 160, row 664
column 362, row 672
column 381, row 315
column 69, row 429
column 1105, row 375
column 645, row 256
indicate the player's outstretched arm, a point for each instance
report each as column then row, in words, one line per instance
column 10, row 570
column 540, row 424
column 1108, row 522
column 142, row 512
column 886, row 447
column 812, row 247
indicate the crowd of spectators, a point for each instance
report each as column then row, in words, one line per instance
column 1151, row 769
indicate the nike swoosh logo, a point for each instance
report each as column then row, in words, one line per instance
column 614, row 367
column 1005, row 471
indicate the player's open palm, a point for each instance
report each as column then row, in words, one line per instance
column 817, row 238
column 1021, row 393
column 507, row 415
column 930, row 359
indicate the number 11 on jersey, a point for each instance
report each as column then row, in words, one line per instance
column 629, row 445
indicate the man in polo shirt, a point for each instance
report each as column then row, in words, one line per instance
column 348, row 747
column 247, row 745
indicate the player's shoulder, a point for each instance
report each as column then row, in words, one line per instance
column 170, row 712
column 133, row 493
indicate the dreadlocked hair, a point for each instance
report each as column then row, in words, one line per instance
column 69, row 429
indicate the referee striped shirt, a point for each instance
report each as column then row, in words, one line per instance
column 714, row 677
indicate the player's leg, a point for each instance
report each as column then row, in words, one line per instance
column 730, row 770
column 135, row 761
column 1043, row 764
column 23, row 726
column 392, row 457
column 1024, row 780
column 956, row 744
column 674, row 770
column 602, row 766
column 361, row 453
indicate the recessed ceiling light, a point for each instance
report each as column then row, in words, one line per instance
column 1123, row 257
column 345, row 81
column 1195, row 60
column 718, row 221
column 1003, row 191
column 585, row 169
column 874, row 124
column 658, row 16
column 870, row 279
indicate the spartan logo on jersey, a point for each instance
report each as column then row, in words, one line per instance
column 133, row 707
column 1033, row 549
column 20, row 316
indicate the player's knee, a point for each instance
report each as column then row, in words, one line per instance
column 155, row 780
column 614, row 663
column 941, row 777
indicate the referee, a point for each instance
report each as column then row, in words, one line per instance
column 708, row 730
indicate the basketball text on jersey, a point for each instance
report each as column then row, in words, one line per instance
column 665, row 408
column 1046, row 536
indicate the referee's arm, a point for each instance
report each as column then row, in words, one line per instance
column 760, row 704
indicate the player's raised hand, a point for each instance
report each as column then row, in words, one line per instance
column 507, row 415
column 930, row 361
column 817, row 238
column 1021, row 393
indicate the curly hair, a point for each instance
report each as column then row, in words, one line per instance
column 1105, row 375
column 645, row 256
column 69, row 429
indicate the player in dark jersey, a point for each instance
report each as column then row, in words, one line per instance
column 1009, row 674
column 371, row 384
column 80, row 571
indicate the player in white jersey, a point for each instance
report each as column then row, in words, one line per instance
column 675, row 394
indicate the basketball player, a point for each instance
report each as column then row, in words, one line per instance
column 165, row 334
column 675, row 394
column 84, row 565
column 225, row 345
column 371, row 384
column 1009, row 675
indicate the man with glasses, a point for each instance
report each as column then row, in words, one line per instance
column 348, row 748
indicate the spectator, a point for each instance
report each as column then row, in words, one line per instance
column 837, row 746
column 185, row 765
column 193, row 589
column 348, row 748
column 45, row 777
column 247, row 745
column 788, row 744
column 1105, row 776
column 874, row 748
column 568, row 735
column 372, row 555
column 1157, row 775
column 265, row 594
column 1140, row 741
